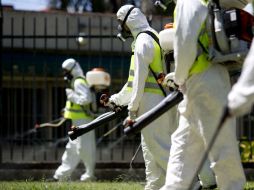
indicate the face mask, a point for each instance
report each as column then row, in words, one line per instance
column 68, row 77
column 67, row 74
column 123, row 34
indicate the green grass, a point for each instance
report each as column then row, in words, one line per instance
column 30, row 185
column 70, row 185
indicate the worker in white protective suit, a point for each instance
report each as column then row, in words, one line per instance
column 142, row 92
column 78, row 109
column 241, row 97
column 206, row 176
column 205, row 87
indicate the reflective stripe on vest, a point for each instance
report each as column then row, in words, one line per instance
column 75, row 111
column 151, row 85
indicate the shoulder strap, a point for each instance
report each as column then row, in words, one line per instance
column 152, row 35
column 156, row 78
column 158, row 42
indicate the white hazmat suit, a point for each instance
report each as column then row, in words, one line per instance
column 206, row 175
column 83, row 148
column 205, row 94
column 155, row 138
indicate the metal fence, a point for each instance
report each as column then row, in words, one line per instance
column 32, row 89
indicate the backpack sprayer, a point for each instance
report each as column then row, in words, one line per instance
column 230, row 33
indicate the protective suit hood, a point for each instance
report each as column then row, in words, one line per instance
column 73, row 66
column 136, row 20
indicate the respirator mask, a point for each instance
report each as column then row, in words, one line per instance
column 162, row 3
column 67, row 74
column 123, row 34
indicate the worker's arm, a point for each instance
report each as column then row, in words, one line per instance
column 188, row 21
column 80, row 95
column 241, row 97
column 143, row 56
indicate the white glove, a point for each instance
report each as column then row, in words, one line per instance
column 113, row 106
column 132, row 115
column 68, row 92
column 168, row 81
column 105, row 101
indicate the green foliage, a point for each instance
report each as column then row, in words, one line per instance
column 247, row 150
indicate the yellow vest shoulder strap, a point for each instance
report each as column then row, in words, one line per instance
column 152, row 35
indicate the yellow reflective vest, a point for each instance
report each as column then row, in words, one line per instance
column 202, row 59
column 75, row 111
column 156, row 65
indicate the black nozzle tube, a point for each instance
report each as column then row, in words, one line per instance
column 141, row 122
column 96, row 123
